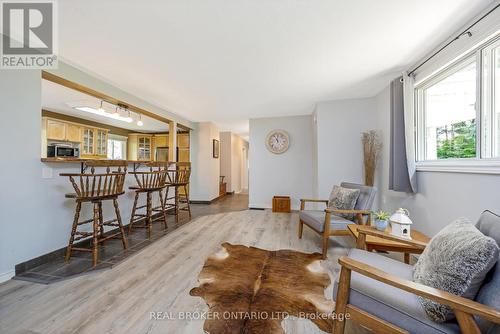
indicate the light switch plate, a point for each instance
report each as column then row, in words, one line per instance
column 47, row 173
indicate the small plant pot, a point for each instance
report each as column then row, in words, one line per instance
column 381, row 225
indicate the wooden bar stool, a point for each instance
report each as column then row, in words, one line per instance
column 178, row 179
column 95, row 188
column 148, row 182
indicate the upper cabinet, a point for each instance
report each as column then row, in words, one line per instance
column 63, row 131
column 140, row 147
column 93, row 141
column 183, row 147
column 183, row 140
column 101, row 142
column 73, row 132
column 88, row 147
column 144, row 147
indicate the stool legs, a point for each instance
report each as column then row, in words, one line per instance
column 147, row 218
column 120, row 225
column 186, row 194
column 101, row 221
column 73, row 231
column 176, row 205
column 95, row 236
column 149, row 212
column 163, row 208
column 133, row 212
column 181, row 196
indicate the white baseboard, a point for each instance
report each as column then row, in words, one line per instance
column 268, row 206
column 259, row 206
column 4, row 277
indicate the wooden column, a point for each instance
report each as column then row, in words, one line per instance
column 172, row 141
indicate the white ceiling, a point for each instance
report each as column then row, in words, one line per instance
column 230, row 60
column 60, row 99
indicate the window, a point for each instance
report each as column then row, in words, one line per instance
column 117, row 147
column 491, row 101
column 458, row 113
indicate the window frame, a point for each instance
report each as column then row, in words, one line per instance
column 479, row 164
column 112, row 137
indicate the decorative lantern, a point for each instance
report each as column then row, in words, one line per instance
column 401, row 222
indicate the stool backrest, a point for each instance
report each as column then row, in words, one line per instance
column 90, row 184
column 152, row 179
column 180, row 174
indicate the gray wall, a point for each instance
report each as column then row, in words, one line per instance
column 442, row 197
column 287, row 174
column 23, row 193
column 339, row 125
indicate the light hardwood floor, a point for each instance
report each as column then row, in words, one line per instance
column 158, row 278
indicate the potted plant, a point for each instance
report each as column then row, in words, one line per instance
column 381, row 220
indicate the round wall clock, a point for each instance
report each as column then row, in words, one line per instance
column 277, row 141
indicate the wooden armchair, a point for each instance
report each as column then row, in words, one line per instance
column 328, row 222
column 387, row 301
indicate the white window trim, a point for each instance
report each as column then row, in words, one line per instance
column 476, row 165
column 473, row 166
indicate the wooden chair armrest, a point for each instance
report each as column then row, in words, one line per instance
column 339, row 211
column 303, row 202
column 384, row 235
column 457, row 303
column 314, row 200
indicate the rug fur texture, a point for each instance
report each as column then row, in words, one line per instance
column 251, row 290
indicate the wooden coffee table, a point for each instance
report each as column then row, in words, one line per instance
column 380, row 243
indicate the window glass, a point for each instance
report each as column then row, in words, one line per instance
column 450, row 115
column 117, row 149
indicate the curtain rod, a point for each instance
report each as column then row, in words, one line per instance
column 465, row 32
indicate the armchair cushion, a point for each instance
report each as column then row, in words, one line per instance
column 316, row 220
column 396, row 306
column 456, row 260
column 366, row 195
column 343, row 199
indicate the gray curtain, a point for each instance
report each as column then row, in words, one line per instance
column 399, row 179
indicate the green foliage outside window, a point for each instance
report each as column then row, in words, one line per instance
column 457, row 140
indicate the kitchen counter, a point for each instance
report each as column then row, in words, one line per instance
column 60, row 159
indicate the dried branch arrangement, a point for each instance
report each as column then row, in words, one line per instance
column 372, row 146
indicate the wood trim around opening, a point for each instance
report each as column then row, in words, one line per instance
column 89, row 91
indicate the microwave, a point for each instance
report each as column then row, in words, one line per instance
column 62, row 151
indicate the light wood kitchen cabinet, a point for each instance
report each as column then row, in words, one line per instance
column 62, row 131
column 183, row 155
column 56, row 130
column 73, row 132
column 101, row 142
column 140, row 147
column 88, row 147
column 183, row 147
column 183, row 140
column 143, row 146
column 160, row 140
column 94, row 142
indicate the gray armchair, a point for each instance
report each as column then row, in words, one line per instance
column 378, row 292
column 328, row 222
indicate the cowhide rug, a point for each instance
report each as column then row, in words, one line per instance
column 251, row 290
